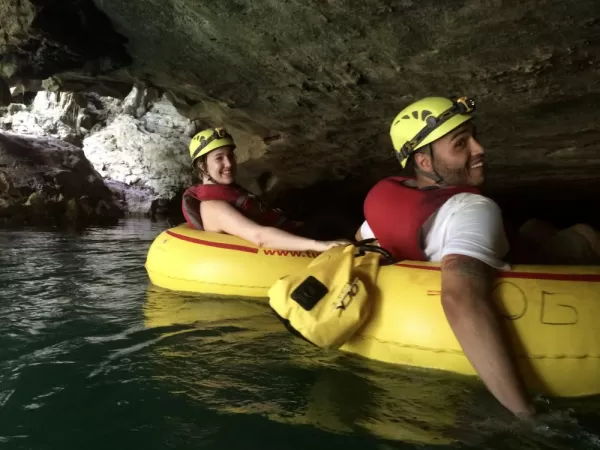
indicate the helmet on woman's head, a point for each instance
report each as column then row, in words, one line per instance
column 208, row 140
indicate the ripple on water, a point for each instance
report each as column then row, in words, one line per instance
column 91, row 356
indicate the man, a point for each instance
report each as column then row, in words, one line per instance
column 438, row 214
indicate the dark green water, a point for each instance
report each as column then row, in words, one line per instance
column 93, row 357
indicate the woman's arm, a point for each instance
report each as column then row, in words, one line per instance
column 222, row 217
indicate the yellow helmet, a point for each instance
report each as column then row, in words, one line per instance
column 427, row 120
column 208, row 140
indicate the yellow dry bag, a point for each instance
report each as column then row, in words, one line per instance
column 328, row 301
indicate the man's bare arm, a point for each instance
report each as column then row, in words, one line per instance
column 467, row 303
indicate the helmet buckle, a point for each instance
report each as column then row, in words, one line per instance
column 431, row 121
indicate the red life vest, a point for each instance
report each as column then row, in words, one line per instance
column 396, row 214
column 245, row 202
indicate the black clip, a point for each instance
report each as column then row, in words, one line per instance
column 363, row 248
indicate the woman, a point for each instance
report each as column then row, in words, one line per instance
column 220, row 205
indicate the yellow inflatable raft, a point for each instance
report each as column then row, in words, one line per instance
column 552, row 312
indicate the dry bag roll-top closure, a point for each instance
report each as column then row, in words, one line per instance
column 332, row 298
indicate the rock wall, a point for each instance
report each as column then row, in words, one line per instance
column 41, row 38
column 145, row 145
column 50, row 114
column 138, row 144
column 46, row 181
column 309, row 81
column 309, row 87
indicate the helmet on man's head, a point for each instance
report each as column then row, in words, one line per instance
column 427, row 120
column 208, row 140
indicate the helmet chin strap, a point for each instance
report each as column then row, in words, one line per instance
column 439, row 181
column 211, row 179
column 434, row 175
column 207, row 175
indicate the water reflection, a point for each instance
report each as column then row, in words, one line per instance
column 239, row 346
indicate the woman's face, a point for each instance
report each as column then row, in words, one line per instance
column 221, row 165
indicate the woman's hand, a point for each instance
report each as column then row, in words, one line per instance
column 322, row 246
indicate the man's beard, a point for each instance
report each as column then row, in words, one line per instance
column 456, row 176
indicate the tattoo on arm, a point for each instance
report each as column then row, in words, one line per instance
column 471, row 270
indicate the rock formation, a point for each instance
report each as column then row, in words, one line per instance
column 144, row 144
column 46, row 181
column 138, row 145
column 310, row 87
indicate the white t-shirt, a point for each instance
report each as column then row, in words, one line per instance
column 467, row 224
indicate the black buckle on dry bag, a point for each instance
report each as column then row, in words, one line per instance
column 363, row 248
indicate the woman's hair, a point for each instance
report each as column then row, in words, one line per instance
column 200, row 167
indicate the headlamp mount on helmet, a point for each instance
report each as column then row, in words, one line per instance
column 460, row 105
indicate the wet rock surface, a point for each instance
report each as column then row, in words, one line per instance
column 45, row 181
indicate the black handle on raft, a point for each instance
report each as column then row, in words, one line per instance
column 365, row 241
column 364, row 247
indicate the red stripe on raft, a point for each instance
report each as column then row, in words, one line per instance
column 240, row 248
column 593, row 278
